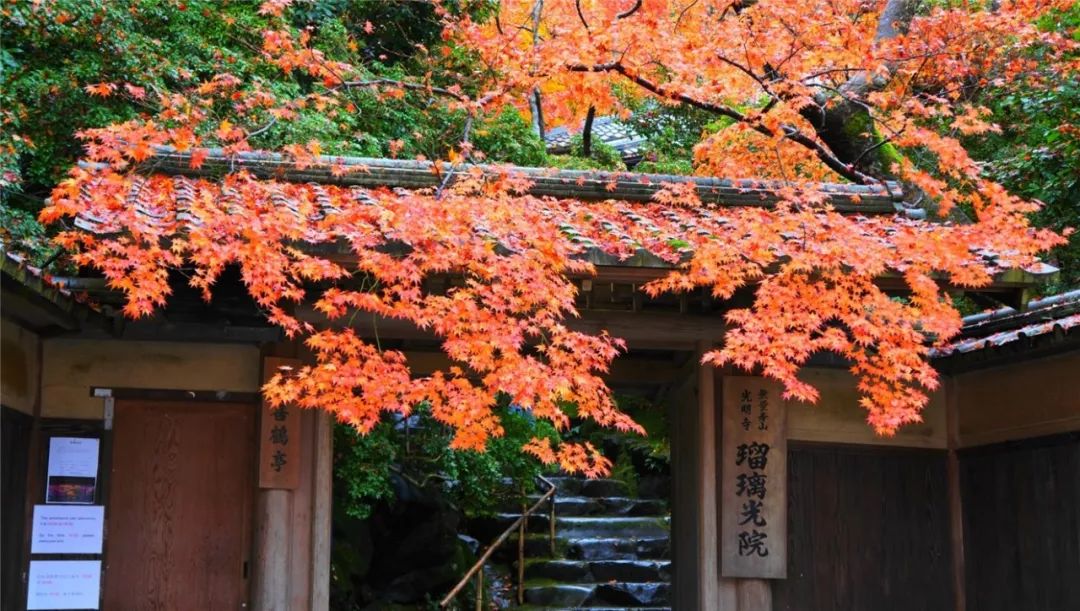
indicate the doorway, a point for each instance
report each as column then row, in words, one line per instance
column 180, row 506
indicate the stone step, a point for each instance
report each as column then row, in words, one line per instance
column 578, row 527
column 574, row 527
column 576, row 486
column 599, row 571
column 537, row 545
column 617, row 548
column 623, row 595
column 600, row 506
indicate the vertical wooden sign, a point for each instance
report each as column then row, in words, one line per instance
column 279, row 436
column 753, row 487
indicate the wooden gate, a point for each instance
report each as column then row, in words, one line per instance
column 179, row 508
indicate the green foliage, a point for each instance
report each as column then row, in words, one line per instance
column 623, row 470
column 53, row 51
column 678, row 167
column 671, row 133
column 633, row 454
column 1037, row 154
column 508, row 137
column 20, row 231
column 418, row 450
column 604, row 157
column 362, row 467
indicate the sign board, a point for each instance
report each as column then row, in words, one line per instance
column 64, row 584
column 67, row 529
column 753, row 488
column 279, row 436
column 73, row 469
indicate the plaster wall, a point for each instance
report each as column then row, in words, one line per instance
column 73, row 366
column 18, row 366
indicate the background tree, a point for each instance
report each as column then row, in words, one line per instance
column 831, row 90
column 71, row 65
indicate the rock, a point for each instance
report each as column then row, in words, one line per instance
column 631, row 594
column 558, row 595
column 654, row 487
column 416, row 546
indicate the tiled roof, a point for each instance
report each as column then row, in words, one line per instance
column 616, row 232
column 1055, row 314
column 560, row 184
column 609, row 130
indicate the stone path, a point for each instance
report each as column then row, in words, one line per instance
column 614, row 550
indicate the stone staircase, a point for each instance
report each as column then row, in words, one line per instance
column 613, row 550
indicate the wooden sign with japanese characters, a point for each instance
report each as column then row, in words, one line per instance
column 753, row 488
column 279, row 436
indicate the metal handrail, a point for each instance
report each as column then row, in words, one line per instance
column 519, row 524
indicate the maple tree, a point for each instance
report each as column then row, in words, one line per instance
column 857, row 91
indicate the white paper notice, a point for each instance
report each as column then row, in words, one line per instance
column 73, row 467
column 64, row 584
column 73, row 457
column 67, row 529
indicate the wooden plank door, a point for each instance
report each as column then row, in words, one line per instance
column 179, row 508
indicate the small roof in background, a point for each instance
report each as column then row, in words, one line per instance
column 1051, row 318
column 608, row 130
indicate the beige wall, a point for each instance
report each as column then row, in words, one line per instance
column 18, row 367
column 72, row 367
column 838, row 418
column 1019, row 400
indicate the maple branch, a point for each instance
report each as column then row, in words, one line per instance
column 581, row 16
column 790, row 132
column 757, row 79
column 892, row 22
column 630, row 11
column 464, row 145
column 683, row 12
column 836, row 110
column 262, row 129
column 383, row 82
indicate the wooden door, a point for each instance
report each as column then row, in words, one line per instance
column 179, row 508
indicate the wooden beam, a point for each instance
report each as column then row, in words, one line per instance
column 624, row 369
column 641, row 330
column 952, row 483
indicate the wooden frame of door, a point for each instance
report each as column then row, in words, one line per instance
column 166, row 535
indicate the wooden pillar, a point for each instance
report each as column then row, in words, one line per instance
column 754, row 594
column 707, row 501
column 956, row 509
column 322, row 503
column 270, row 576
column 685, row 463
column 291, row 568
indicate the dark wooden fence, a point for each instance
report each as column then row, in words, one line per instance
column 14, row 447
column 1022, row 525
column 868, row 529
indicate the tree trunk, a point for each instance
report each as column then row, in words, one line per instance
column 586, row 133
column 843, row 122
